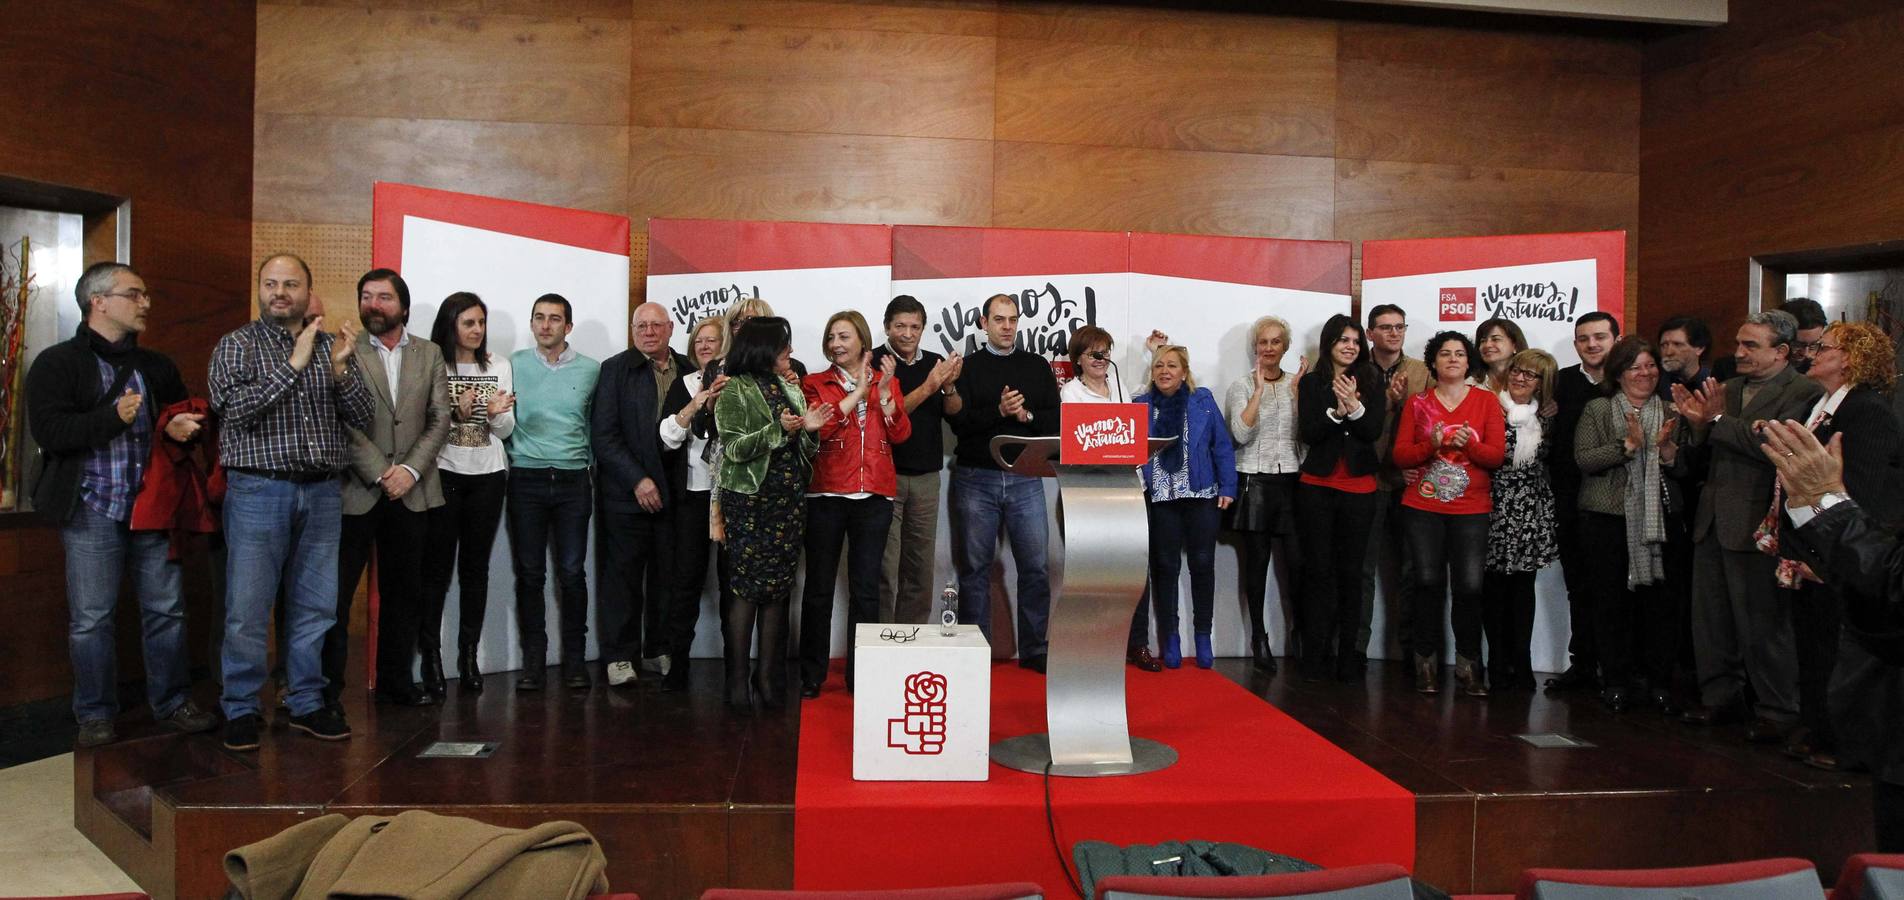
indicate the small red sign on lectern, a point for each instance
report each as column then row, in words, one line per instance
column 1103, row 434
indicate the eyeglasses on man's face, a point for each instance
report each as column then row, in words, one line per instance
column 1392, row 328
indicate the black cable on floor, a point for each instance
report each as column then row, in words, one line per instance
column 1051, row 825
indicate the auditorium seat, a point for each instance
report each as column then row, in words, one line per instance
column 1009, row 891
column 1764, row 879
column 1871, row 876
column 1378, row 881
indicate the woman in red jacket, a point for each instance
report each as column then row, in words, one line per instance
column 849, row 502
column 1450, row 436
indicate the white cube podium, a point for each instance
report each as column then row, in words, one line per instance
column 922, row 703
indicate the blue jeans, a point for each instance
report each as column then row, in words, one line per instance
column 1178, row 529
column 278, row 531
column 985, row 499
column 97, row 549
column 547, row 504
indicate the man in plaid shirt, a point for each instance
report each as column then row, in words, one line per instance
column 284, row 399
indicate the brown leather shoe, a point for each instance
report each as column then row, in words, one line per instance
column 1766, row 731
column 1426, row 674
column 1799, row 743
column 1826, row 760
column 1141, row 658
column 1713, row 715
column 1467, row 674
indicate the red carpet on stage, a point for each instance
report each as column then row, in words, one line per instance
column 1246, row 773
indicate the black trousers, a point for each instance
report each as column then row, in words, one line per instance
column 692, row 547
column 398, row 535
column 1449, row 551
column 1817, row 617
column 1633, row 627
column 1331, row 594
column 461, row 533
column 1507, row 619
column 859, row 528
column 635, row 576
column 1582, row 649
column 548, row 510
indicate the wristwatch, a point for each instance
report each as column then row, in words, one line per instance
column 1828, row 500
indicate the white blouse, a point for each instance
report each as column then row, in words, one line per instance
column 673, row 435
column 1269, row 447
column 475, row 444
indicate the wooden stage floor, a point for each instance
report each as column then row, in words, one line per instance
column 685, row 795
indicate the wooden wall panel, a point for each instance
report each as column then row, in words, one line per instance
column 1166, row 98
column 1492, row 117
column 321, row 168
column 1188, row 29
column 1532, row 50
column 1113, row 188
column 406, row 64
column 1779, row 131
column 1407, row 200
column 978, row 18
column 824, row 178
column 617, row 9
column 835, row 81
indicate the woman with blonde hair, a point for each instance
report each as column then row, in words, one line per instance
column 1185, row 486
column 1522, row 529
column 1856, row 364
column 849, row 502
column 1261, row 409
column 691, row 485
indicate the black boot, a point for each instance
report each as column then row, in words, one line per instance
column 433, row 681
column 1260, row 655
column 677, row 678
column 770, row 673
column 467, row 673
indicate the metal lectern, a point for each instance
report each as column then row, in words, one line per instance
column 1106, row 561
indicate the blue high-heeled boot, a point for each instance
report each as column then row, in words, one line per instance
column 1173, row 651
column 1205, row 657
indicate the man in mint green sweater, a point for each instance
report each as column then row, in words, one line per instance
column 549, row 495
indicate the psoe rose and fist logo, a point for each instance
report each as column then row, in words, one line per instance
column 921, row 731
column 1457, row 304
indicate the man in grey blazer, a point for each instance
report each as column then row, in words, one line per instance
column 389, row 486
column 1741, row 626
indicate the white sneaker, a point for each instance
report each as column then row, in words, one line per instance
column 657, row 664
column 620, row 673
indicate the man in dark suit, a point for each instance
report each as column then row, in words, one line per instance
column 1741, row 626
column 1593, row 337
column 637, row 533
column 1861, row 560
column 388, row 489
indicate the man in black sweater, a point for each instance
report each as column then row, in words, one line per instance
column 1593, row 335
column 1003, row 390
column 93, row 404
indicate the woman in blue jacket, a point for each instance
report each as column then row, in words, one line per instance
column 1184, row 488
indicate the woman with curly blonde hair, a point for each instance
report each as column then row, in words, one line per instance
column 1856, row 364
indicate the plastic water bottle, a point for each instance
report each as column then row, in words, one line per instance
column 949, row 610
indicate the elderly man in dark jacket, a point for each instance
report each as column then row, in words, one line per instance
column 1864, row 561
column 637, row 533
column 93, row 402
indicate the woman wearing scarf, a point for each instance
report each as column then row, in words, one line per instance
column 1623, row 443
column 1339, row 417
column 1521, row 532
column 1184, row 487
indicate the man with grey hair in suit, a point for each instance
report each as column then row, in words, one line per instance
column 388, row 488
column 1741, row 625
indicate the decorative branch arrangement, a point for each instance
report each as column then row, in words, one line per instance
column 16, row 290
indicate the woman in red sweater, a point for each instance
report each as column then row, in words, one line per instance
column 849, row 501
column 1449, row 437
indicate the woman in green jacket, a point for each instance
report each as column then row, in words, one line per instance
column 767, row 450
